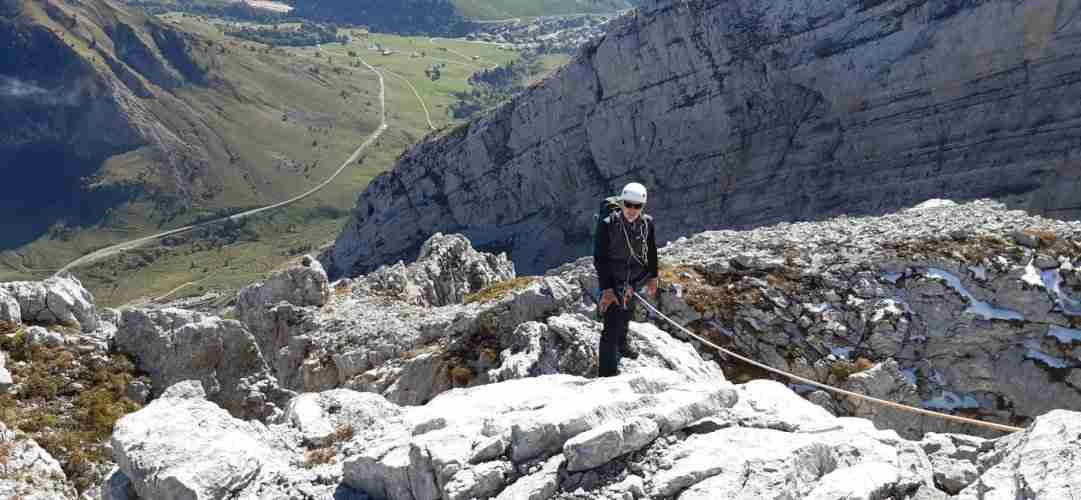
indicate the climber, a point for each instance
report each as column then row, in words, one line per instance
column 625, row 256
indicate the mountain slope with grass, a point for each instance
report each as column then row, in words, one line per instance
column 115, row 125
column 504, row 9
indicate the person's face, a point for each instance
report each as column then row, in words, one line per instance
column 632, row 210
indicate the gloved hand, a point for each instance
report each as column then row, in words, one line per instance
column 607, row 299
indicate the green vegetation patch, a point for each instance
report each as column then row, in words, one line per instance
column 303, row 35
column 500, row 289
column 67, row 405
column 504, row 9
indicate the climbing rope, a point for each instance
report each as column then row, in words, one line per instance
column 883, row 402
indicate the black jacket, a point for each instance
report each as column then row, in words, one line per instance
column 617, row 262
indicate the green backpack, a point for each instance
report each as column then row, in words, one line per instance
column 607, row 206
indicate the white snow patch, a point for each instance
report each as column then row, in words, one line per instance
column 910, row 375
column 975, row 306
column 978, row 272
column 951, row 401
column 1032, row 276
column 1035, row 353
column 933, row 203
column 1052, row 281
column 841, row 352
column 1064, row 335
column 892, row 277
column 817, row 308
column 1046, row 359
column 887, row 308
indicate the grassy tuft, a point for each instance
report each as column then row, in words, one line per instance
column 499, row 290
column 325, row 455
column 69, row 422
column 319, row 456
column 461, row 376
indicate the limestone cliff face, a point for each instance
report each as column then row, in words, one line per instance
column 739, row 113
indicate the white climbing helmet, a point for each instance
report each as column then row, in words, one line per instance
column 634, row 193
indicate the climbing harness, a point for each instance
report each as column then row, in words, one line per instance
column 883, row 402
column 643, row 231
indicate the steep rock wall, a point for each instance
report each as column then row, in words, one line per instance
column 739, row 113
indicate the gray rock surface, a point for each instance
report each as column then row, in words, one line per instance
column 57, row 300
column 749, row 112
column 304, row 284
column 538, row 416
column 319, row 416
column 445, row 271
column 884, row 381
column 1039, row 464
column 653, row 433
column 190, row 448
column 43, row 337
column 174, row 345
column 118, row 487
column 955, row 458
column 378, row 337
column 929, row 298
column 10, row 314
column 188, row 389
column 5, row 376
column 943, row 290
column 28, row 472
column 596, row 447
column 568, row 344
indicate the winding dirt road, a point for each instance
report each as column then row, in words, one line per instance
column 128, row 245
column 427, row 115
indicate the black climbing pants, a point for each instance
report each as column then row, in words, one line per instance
column 614, row 335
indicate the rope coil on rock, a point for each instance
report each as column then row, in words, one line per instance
column 882, row 402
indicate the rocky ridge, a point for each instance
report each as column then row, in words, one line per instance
column 970, row 308
column 742, row 113
column 364, row 388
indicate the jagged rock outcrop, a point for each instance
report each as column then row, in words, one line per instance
column 915, row 307
column 322, row 417
column 381, row 334
column 446, row 270
column 11, row 315
column 174, row 345
column 651, row 434
column 884, row 381
column 1039, row 463
column 5, row 376
column 749, row 112
column 191, row 448
column 979, row 306
column 375, row 335
column 568, row 344
column 956, row 459
column 58, row 300
column 301, row 285
column 29, row 472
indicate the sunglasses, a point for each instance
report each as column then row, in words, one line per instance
column 633, row 206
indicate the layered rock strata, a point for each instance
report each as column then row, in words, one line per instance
column 743, row 113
